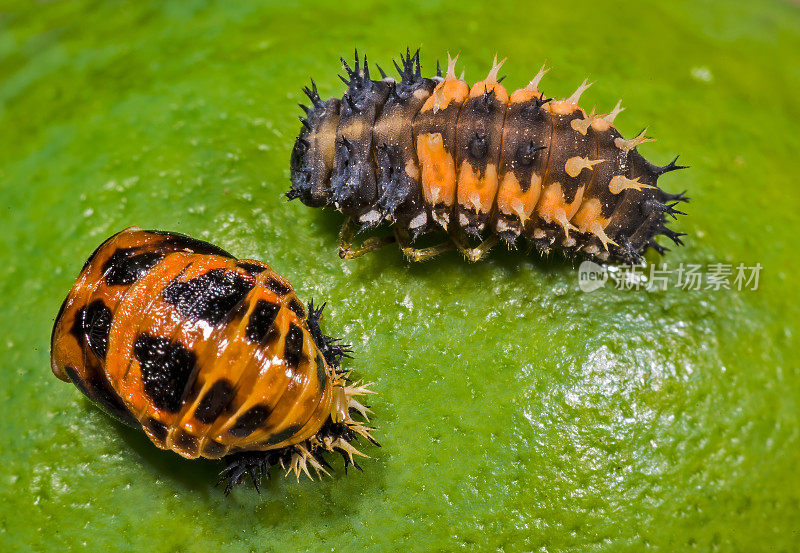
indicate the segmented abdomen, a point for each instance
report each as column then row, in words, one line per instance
column 434, row 153
column 210, row 355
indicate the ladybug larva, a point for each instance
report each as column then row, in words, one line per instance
column 210, row 355
column 425, row 154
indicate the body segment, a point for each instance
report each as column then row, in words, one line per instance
column 479, row 135
column 435, row 128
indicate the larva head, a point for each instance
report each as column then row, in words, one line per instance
column 312, row 156
column 303, row 176
column 308, row 174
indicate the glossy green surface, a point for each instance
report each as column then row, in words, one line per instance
column 517, row 413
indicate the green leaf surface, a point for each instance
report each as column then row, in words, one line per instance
column 516, row 412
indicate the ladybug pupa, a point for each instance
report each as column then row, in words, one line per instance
column 433, row 154
column 211, row 356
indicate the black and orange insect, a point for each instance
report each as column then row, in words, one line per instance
column 425, row 154
column 211, row 356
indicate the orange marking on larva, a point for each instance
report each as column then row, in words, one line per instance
column 524, row 95
column 490, row 84
column 438, row 169
column 444, row 93
column 620, row 182
column 589, row 219
column 467, row 183
column 582, row 125
column 560, row 107
column 589, row 212
column 607, row 121
column 511, row 200
column 601, row 125
column 628, row 145
column 477, row 192
column 308, row 408
column 568, row 105
column 481, row 87
column 449, row 90
column 531, row 91
column 576, row 164
column 554, row 208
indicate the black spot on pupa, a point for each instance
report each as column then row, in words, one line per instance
column 166, row 367
column 158, row 429
column 251, row 268
column 284, row 434
column 99, row 392
column 208, row 297
column 214, row 401
column 293, row 349
column 79, row 383
column 261, row 321
column 125, row 266
column 213, row 448
column 110, row 402
column 297, row 307
column 249, row 421
column 186, row 442
column 277, row 286
column 91, row 327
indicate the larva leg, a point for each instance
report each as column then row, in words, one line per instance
column 420, row 254
column 346, row 250
column 476, row 253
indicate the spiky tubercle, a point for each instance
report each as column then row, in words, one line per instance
column 332, row 348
